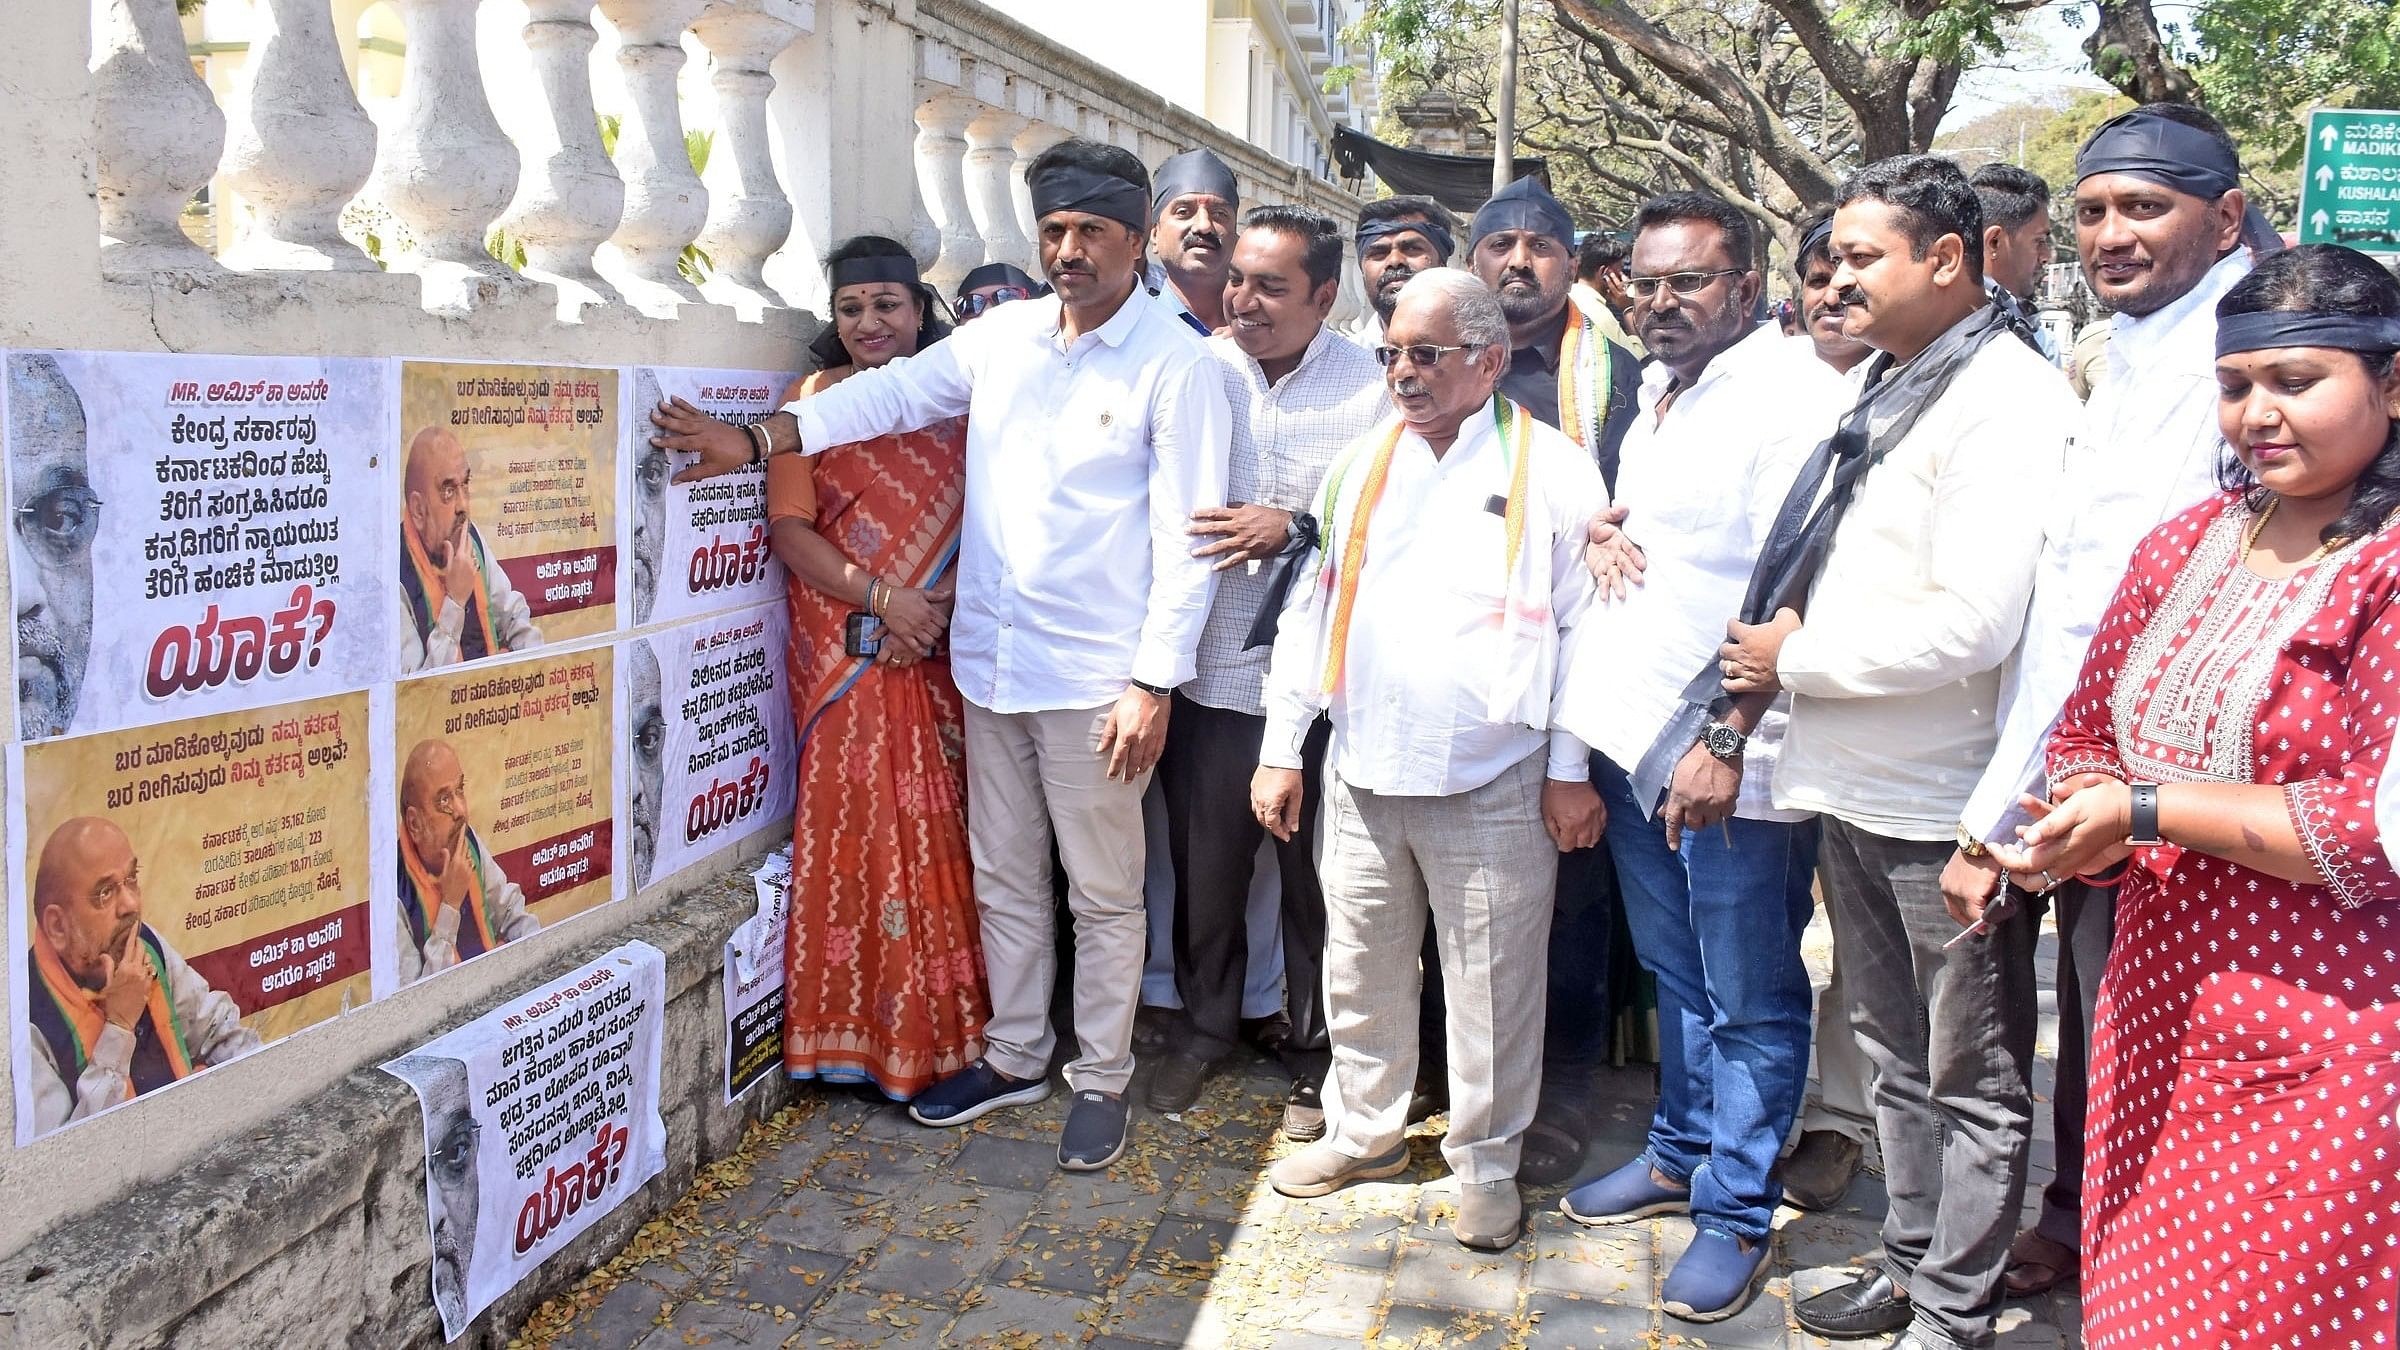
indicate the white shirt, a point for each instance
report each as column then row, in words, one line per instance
column 1284, row 434
column 1896, row 674
column 1085, row 462
column 2148, row 448
column 1412, row 715
column 1702, row 487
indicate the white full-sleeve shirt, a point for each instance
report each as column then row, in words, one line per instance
column 1701, row 486
column 1896, row 672
column 1412, row 715
column 1085, row 461
column 2148, row 449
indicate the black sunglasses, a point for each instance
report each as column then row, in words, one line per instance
column 976, row 303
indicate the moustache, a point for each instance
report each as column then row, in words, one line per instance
column 1395, row 276
column 1519, row 275
column 1411, row 387
column 1827, row 311
column 1849, row 299
column 1209, row 237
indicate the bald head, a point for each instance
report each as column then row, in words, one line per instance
column 435, row 481
column 433, row 800
column 87, row 894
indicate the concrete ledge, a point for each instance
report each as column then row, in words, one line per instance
column 313, row 1233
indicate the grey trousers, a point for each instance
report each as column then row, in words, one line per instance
column 2087, row 923
column 1027, row 775
column 1837, row 1096
column 1483, row 866
column 1950, row 1034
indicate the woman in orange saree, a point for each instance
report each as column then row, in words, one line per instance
column 883, row 967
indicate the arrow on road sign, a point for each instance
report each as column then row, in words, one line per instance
column 2328, row 136
column 2318, row 222
column 2324, row 177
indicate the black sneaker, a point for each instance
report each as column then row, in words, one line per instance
column 973, row 1092
column 1177, row 1083
column 1095, row 1133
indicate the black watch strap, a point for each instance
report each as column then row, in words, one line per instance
column 2145, row 816
column 1155, row 691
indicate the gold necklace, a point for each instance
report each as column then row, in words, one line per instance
column 2259, row 526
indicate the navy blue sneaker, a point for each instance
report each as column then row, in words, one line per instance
column 1624, row 1195
column 972, row 1093
column 1714, row 1278
column 1095, row 1132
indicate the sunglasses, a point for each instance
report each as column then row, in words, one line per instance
column 1423, row 353
column 971, row 305
column 1682, row 283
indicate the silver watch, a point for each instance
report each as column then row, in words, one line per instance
column 1723, row 741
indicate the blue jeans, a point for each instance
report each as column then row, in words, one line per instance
column 1718, row 923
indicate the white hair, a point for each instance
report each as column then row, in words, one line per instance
column 1474, row 307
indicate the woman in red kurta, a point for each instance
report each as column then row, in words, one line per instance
column 883, row 966
column 2242, row 1179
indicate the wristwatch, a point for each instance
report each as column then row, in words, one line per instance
column 1154, row 691
column 2145, row 816
column 1723, row 741
column 1968, row 844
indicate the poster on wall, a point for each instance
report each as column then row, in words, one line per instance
column 701, row 546
column 540, row 1117
column 192, row 534
column 506, row 489
column 503, row 790
column 709, row 739
column 754, row 980
column 185, row 894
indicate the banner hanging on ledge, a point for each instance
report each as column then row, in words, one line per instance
column 540, row 1117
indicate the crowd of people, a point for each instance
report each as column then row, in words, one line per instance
column 1572, row 606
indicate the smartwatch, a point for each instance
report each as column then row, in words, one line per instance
column 2145, row 816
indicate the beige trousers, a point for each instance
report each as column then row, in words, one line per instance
column 1028, row 775
column 1483, row 866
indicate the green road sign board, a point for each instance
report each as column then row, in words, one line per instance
column 2350, row 189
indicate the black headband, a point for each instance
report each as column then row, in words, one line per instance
column 1371, row 230
column 1072, row 187
column 2300, row 328
column 994, row 274
column 859, row 271
column 1194, row 171
column 2160, row 150
column 1819, row 239
column 1524, row 205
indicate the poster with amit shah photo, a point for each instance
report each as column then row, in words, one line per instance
column 186, row 893
column 503, row 795
column 507, row 511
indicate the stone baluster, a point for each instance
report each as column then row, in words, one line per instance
column 748, row 224
column 991, row 176
column 158, row 135
column 570, row 198
column 1030, row 144
column 941, row 151
column 665, row 205
column 301, row 145
column 445, row 169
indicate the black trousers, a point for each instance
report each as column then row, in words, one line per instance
column 2087, row 923
column 1212, row 838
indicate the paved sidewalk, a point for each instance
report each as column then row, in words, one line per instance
column 851, row 1226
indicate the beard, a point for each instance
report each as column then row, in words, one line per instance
column 1521, row 306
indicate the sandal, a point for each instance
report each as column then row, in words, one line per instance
column 2037, row 1265
column 1552, row 1153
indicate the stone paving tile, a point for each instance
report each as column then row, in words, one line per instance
column 867, row 1230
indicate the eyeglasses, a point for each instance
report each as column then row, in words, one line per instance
column 976, row 303
column 1423, row 353
column 61, row 522
column 1682, row 283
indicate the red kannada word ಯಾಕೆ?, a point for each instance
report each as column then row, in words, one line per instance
column 721, row 803
column 203, row 655
column 564, row 1192
column 723, row 562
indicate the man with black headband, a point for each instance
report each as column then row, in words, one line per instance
column 1397, row 238
column 1193, row 201
column 990, row 286
column 1910, row 541
column 1567, row 374
column 1096, row 427
column 2158, row 228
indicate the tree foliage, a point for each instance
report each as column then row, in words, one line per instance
column 2262, row 64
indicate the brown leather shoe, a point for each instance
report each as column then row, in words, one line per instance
column 2037, row 1265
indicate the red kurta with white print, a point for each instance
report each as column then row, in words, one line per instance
column 2242, row 1174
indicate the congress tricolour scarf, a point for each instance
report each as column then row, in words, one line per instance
column 1584, row 375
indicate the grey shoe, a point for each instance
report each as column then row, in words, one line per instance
column 1322, row 1169
column 1490, row 1215
column 1818, row 1173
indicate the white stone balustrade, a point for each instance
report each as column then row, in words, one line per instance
column 570, row 199
column 748, row 224
column 665, row 205
column 991, row 175
column 1030, row 143
column 158, row 136
column 941, row 151
column 445, row 169
column 301, row 146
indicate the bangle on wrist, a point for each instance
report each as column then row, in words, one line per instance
column 758, row 441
